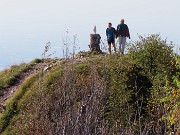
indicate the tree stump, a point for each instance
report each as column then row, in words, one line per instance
column 95, row 43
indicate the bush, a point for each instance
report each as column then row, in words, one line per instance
column 155, row 56
column 160, row 64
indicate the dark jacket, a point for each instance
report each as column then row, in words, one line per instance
column 111, row 33
column 123, row 30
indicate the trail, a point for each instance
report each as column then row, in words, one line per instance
column 10, row 91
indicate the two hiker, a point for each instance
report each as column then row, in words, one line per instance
column 122, row 33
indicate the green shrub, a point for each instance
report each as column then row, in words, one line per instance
column 155, row 56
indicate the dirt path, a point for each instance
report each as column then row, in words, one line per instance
column 9, row 92
column 39, row 67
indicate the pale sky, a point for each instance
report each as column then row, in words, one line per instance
column 26, row 25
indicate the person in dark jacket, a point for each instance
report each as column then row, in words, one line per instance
column 111, row 34
column 122, row 33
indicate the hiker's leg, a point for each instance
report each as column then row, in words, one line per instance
column 120, row 44
column 114, row 45
column 123, row 44
column 109, row 45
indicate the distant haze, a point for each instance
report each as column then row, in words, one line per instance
column 26, row 25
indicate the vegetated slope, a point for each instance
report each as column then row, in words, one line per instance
column 12, row 78
column 76, row 97
column 136, row 93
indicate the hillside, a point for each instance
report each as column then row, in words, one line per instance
column 12, row 78
column 131, row 94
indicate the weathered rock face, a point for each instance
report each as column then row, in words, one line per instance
column 95, row 42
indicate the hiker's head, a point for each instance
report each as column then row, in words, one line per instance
column 109, row 25
column 122, row 20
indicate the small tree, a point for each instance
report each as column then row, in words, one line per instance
column 155, row 56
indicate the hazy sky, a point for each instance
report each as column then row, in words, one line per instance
column 26, row 25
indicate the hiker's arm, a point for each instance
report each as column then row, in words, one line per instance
column 128, row 34
column 117, row 32
column 106, row 33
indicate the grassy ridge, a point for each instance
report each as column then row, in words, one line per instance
column 66, row 86
column 135, row 93
column 12, row 105
column 23, row 98
column 9, row 76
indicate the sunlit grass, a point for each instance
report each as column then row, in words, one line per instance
column 9, row 76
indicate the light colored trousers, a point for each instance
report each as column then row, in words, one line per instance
column 122, row 43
